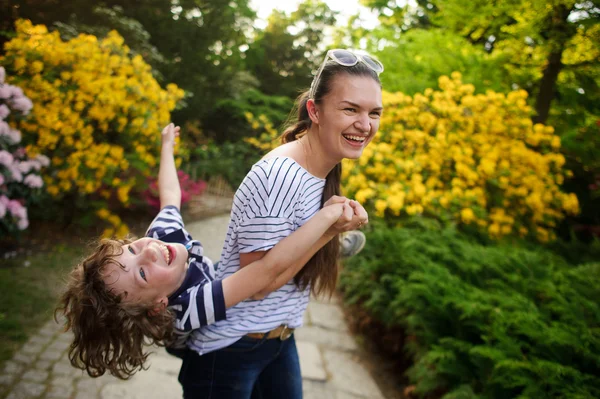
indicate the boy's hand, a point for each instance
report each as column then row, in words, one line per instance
column 168, row 135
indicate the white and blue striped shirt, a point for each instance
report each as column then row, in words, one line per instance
column 275, row 198
column 199, row 301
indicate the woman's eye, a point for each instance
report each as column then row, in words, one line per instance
column 375, row 114
column 142, row 274
column 130, row 249
column 350, row 109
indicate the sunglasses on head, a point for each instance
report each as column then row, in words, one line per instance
column 346, row 58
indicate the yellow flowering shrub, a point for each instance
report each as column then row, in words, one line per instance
column 98, row 113
column 476, row 159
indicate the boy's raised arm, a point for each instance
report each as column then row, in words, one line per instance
column 168, row 182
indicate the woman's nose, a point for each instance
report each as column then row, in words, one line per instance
column 363, row 123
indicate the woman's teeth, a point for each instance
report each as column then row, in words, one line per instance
column 359, row 139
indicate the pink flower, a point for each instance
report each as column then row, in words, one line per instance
column 44, row 160
column 19, row 152
column 15, row 136
column 2, row 210
column 2, row 74
column 5, row 92
column 33, row 181
column 16, row 91
column 4, row 200
column 22, row 104
column 16, row 209
column 4, row 111
column 25, row 167
column 22, row 224
column 4, row 128
column 6, row 158
column 16, row 173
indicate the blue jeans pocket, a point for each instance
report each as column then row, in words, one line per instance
column 245, row 344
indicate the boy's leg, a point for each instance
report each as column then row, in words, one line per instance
column 351, row 243
column 282, row 377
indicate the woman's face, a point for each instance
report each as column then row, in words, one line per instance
column 348, row 116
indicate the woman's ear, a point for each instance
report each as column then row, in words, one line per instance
column 313, row 112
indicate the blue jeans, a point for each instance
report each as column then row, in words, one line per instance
column 248, row 369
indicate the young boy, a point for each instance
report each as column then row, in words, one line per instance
column 155, row 290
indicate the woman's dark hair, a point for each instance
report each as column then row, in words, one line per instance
column 321, row 271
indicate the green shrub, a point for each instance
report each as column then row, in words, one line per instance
column 482, row 321
column 229, row 160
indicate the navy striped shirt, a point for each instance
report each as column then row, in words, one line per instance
column 275, row 198
column 199, row 300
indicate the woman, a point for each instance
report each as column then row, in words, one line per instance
column 253, row 354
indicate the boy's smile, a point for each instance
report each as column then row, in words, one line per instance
column 152, row 270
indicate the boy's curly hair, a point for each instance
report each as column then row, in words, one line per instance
column 109, row 333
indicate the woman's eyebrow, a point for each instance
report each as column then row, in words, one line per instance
column 355, row 105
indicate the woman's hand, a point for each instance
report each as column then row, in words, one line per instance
column 352, row 217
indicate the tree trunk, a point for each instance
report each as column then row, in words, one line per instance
column 559, row 34
column 547, row 86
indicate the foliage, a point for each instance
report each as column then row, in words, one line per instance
column 229, row 160
column 475, row 159
column 482, row 322
column 98, row 113
column 415, row 61
column 20, row 183
column 229, row 123
column 284, row 54
column 108, row 19
column 189, row 188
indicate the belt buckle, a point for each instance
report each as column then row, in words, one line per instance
column 286, row 332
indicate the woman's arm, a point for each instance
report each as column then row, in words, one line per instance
column 343, row 224
column 287, row 254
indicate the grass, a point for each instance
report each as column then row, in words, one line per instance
column 28, row 294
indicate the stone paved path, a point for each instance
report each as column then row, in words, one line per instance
column 329, row 356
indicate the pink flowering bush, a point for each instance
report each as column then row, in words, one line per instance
column 189, row 187
column 20, row 182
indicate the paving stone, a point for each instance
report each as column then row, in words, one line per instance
column 59, row 345
column 65, row 369
column 62, row 381
column 42, row 364
column 327, row 316
column 12, row 367
column 311, row 363
column 39, row 339
column 24, row 358
column 26, row 390
column 348, row 375
column 85, row 395
column 346, row 395
column 88, row 384
column 59, row 391
column 50, row 354
column 50, row 328
column 326, row 338
column 317, row 390
column 36, row 376
column 33, row 349
column 7, row 379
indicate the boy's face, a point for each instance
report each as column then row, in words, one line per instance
column 153, row 270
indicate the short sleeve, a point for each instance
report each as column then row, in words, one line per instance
column 199, row 306
column 267, row 201
column 167, row 221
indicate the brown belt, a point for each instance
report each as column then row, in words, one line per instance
column 281, row 332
